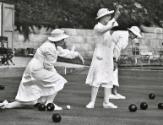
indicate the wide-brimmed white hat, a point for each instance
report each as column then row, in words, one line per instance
column 103, row 12
column 135, row 30
column 57, row 35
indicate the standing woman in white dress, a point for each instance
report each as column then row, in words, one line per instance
column 40, row 81
column 101, row 69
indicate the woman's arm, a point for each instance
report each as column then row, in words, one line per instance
column 49, row 52
column 103, row 28
column 70, row 54
column 121, row 44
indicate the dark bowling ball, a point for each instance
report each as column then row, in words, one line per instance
column 2, row 87
column 132, row 108
column 160, row 105
column 56, row 117
column 50, row 107
column 41, row 107
column 152, row 96
column 143, row 105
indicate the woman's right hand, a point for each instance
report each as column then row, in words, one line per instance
column 117, row 12
column 81, row 58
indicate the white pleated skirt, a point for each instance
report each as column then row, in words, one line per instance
column 38, row 82
column 101, row 71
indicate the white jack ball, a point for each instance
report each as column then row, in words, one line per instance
column 68, row 107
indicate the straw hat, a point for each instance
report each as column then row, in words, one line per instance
column 135, row 30
column 57, row 35
column 103, row 12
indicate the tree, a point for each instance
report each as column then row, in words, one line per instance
column 82, row 13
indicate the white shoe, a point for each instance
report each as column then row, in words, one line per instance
column 90, row 105
column 109, row 105
column 2, row 105
column 120, row 96
column 112, row 96
column 57, row 107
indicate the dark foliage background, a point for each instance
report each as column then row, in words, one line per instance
column 82, row 13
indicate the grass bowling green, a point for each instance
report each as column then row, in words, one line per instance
column 134, row 84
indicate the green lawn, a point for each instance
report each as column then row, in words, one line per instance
column 135, row 85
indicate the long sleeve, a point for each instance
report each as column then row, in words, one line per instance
column 70, row 54
column 50, row 60
column 103, row 28
column 49, row 52
column 123, row 42
column 120, row 40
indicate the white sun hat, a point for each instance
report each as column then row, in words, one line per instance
column 135, row 30
column 103, row 12
column 57, row 35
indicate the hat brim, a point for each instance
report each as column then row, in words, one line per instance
column 135, row 33
column 57, row 39
column 108, row 13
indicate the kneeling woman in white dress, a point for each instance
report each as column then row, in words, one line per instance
column 40, row 81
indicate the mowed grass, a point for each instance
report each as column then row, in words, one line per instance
column 135, row 85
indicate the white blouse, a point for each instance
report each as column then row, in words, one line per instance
column 120, row 40
column 103, row 36
column 48, row 53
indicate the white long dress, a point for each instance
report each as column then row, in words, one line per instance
column 40, row 78
column 101, row 69
column 120, row 40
